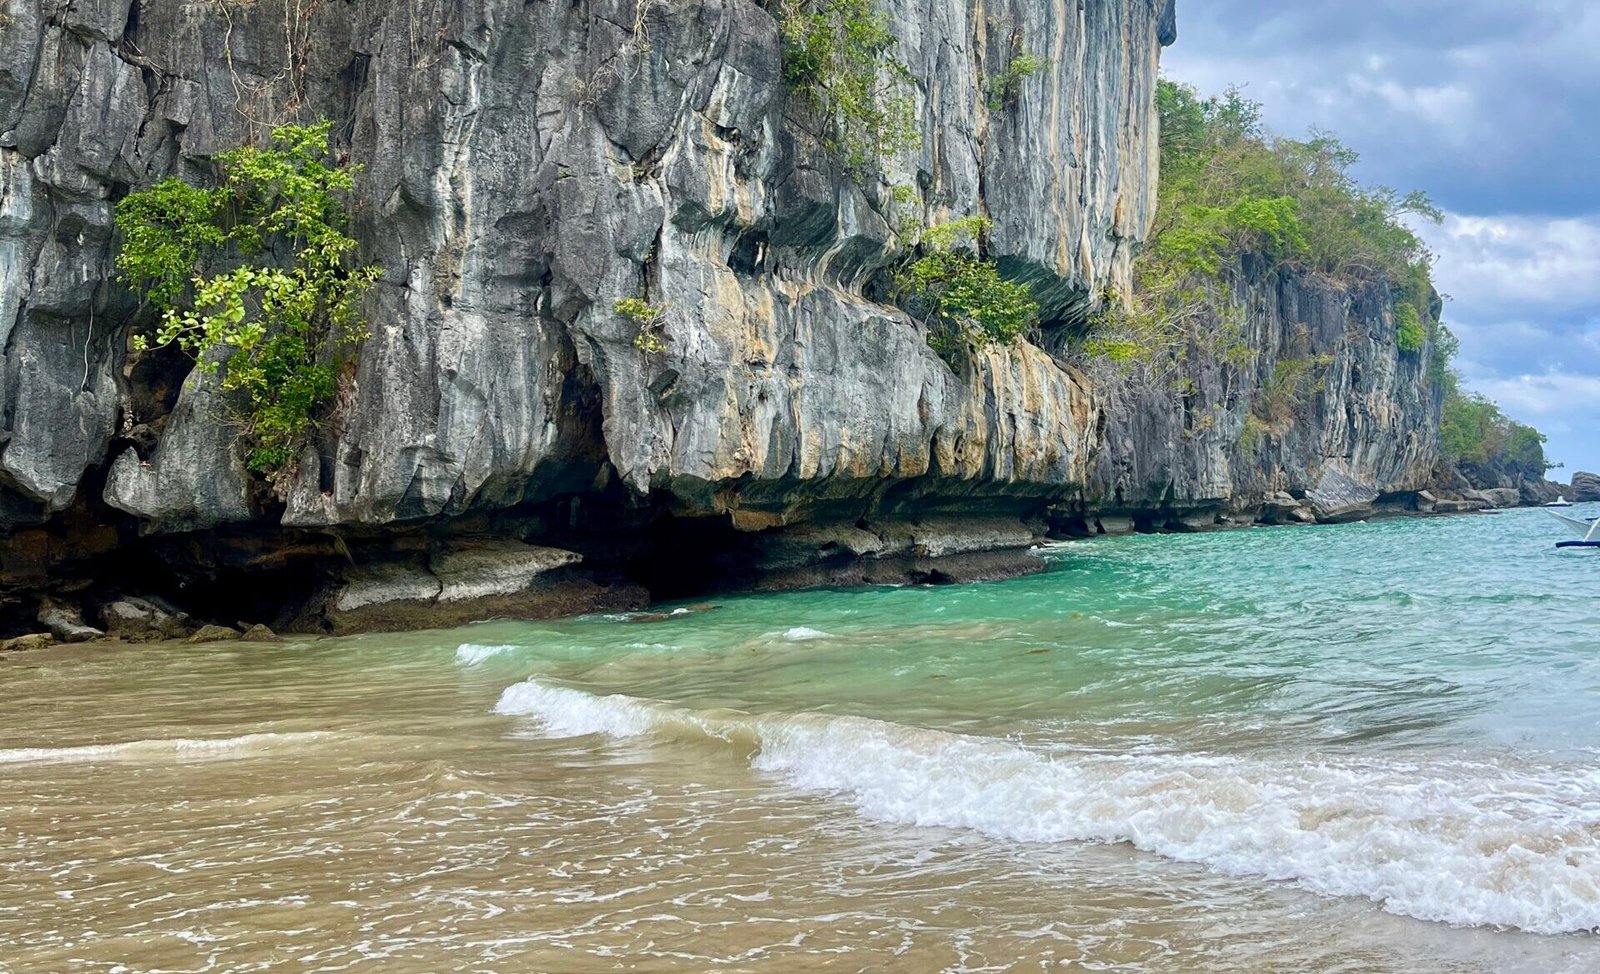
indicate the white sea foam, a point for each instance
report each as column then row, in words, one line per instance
column 161, row 748
column 472, row 654
column 573, row 713
column 1453, row 841
column 800, row 634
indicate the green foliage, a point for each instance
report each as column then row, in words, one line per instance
column 1118, row 350
column 1444, row 348
column 166, row 229
column 1294, row 381
column 1297, row 195
column 649, row 317
column 966, row 231
column 1229, row 188
column 1005, row 86
column 960, row 295
column 838, row 54
column 1409, row 335
column 257, row 278
column 1474, row 433
column 1252, row 433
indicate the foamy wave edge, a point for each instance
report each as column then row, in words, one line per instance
column 171, row 747
column 1465, row 843
column 471, row 654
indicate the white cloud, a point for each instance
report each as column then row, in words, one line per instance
column 1449, row 109
column 1495, row 265
column 1551, row 394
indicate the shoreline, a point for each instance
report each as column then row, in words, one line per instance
column 166, row 624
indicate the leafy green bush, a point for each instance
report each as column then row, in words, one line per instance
column 1409, row 335
column 1252, row 433
column 1215, row 155
column 1440, row 354
column 1005, row 86
column 649, row 317
column 959, row 295
column 838, row 54
column 261, row 272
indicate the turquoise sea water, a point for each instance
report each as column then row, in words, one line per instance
column 1368, row 747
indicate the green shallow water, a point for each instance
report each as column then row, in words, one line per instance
column 1368, row 747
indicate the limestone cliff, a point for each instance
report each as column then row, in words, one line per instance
column 1306, row 410
column 526, row 165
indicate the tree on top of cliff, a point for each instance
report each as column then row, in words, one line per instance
column 1228, row 189
column 1225, row 178
column 1485, row 443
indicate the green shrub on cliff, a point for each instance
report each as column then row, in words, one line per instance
column 1409, row 335
column 650, row 318
column 1216, row 157
column 839, row 56
column 256, row 278
column 1021, row 65
column 959, row 295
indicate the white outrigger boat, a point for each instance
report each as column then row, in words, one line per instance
column 1559, row 502
column 1588, row 528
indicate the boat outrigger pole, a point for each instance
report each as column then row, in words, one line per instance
column 1589, row 528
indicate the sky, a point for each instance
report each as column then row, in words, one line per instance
column 1493, row 108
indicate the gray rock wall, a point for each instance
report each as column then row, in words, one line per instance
column 526, row 165
column 1310, row 397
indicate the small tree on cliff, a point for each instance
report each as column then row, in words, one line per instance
column 255, row 278
column 839, row 56
column 959, row 295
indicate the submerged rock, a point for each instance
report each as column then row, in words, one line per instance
column 214, row 634
column 258, row 634
column 35, row 640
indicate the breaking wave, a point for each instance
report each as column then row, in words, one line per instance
column 470, row 654
column 1462, row 842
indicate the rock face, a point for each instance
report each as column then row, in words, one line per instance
column 1499, row 480
column 1585, row 487
column 1307, row 401
column 1503, row 497
column 66, row 623
column 527, row 165
column 465, row 582
column 139, row 619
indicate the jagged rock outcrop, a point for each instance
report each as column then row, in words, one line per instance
column 1585, row 486
column 1298, row 393
column 527, row 165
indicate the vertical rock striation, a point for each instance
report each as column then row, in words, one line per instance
column 526, row 166
column 1302, row 401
